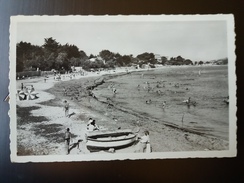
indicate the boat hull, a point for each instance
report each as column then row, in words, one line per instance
column 108, row 140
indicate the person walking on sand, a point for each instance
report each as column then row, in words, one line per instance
column 67, row 137
column 144, row 143
column 66, row 108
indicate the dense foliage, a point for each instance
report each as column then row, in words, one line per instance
column 52, row 55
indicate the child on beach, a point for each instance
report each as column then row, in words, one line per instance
column 66, row 108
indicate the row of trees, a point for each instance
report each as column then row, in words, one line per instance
column 53, row 55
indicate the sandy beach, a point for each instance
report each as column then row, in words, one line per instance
column 41, row 123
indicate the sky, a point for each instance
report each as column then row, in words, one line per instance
column 195, row 40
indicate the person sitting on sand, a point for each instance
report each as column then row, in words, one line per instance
column 144, row 143
column 89, row 121
column 66, row 108
column 92, row 126
column 67, row 137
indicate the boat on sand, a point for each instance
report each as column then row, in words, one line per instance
column 107, row 140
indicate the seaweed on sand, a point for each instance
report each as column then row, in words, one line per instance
column 53, row 132
column 53, row 102
column 25, row 117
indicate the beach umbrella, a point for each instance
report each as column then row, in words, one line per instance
column 30, row 95
column 21, row 95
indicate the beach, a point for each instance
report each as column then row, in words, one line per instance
column 41, row 122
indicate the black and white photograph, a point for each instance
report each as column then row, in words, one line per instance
column 88, row 88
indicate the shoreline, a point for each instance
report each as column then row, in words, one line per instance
column 174, row 139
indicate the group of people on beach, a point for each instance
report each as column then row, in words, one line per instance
column 143, row 142
column 91, row 126
column 142, row 146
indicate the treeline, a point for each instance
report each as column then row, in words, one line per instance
column 53, row 55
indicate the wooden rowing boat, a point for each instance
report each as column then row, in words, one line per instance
column 105, row 140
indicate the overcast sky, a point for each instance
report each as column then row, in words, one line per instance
column 196, row 40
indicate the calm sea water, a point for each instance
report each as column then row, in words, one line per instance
column 206, row 85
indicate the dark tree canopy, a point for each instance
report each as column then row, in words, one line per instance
column 146, row 56
column 106, row 55
column 51, row 44
column 53, row 55
column 71, row 50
